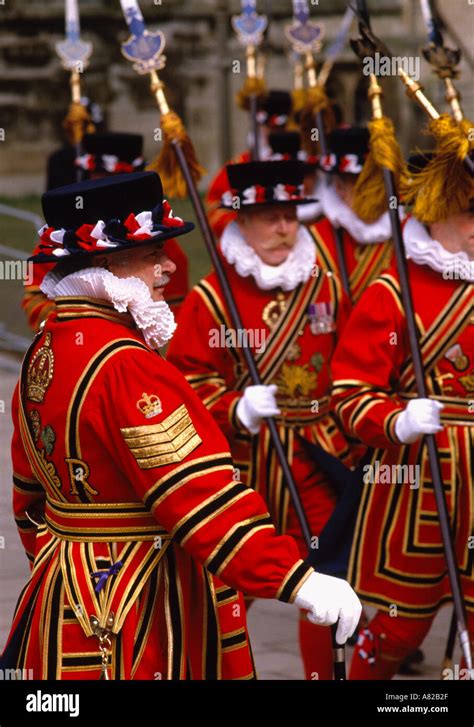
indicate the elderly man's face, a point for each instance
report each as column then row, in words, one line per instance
column 270, row 230
column 149, row 263
column 456, row 234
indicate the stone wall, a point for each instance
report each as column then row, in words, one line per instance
column 34, row 90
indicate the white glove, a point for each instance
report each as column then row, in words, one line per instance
column 329, row 599
column 257, row 403
column 421, row 416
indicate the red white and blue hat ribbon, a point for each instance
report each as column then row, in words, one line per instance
column 259, row 194
column 107, row 235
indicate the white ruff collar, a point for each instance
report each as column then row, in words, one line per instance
column 341, row 215
column 424, row 250
column 294, row 270
column 154, row 319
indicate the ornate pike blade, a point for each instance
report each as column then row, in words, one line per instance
column 304, row 35
column 249, row 26
column 144, row 48
column 73, row 52
column 432, row 29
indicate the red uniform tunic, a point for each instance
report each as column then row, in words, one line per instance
column 119, row 459
column 294, row 357
column 364, row 262
column 397, row 555
column 38, row 307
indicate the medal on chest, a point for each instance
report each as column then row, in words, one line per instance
column 321, row 318
column 457, row 357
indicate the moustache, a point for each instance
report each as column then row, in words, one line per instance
column 275, row 245
column 161, row 281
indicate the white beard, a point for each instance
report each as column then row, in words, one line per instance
column 154, row 319
column 296, row 269
column 424, row 250
column 341, row 215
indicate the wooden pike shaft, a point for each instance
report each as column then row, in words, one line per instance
column 324, row 72
column 261, row 66
column 415, row 90
column 77, row 128
column 453, row 97
column 157, row 88
column 251, row 61
column 311, row 70
column 298, row 76
column 375, row 92
column 75, row 87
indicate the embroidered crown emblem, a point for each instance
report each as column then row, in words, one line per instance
column 40, row 372
column 149, row 405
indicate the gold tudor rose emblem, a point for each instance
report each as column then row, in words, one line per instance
column 296, row 381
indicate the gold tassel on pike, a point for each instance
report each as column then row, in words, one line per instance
column 166, row 163
column 298, row 100
column 253, row 86
column 77, row 123
column 444, row 187
column 174, row 131
column 317, row 100
column 370, row 200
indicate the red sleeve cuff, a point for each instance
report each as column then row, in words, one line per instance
column 293, row 581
